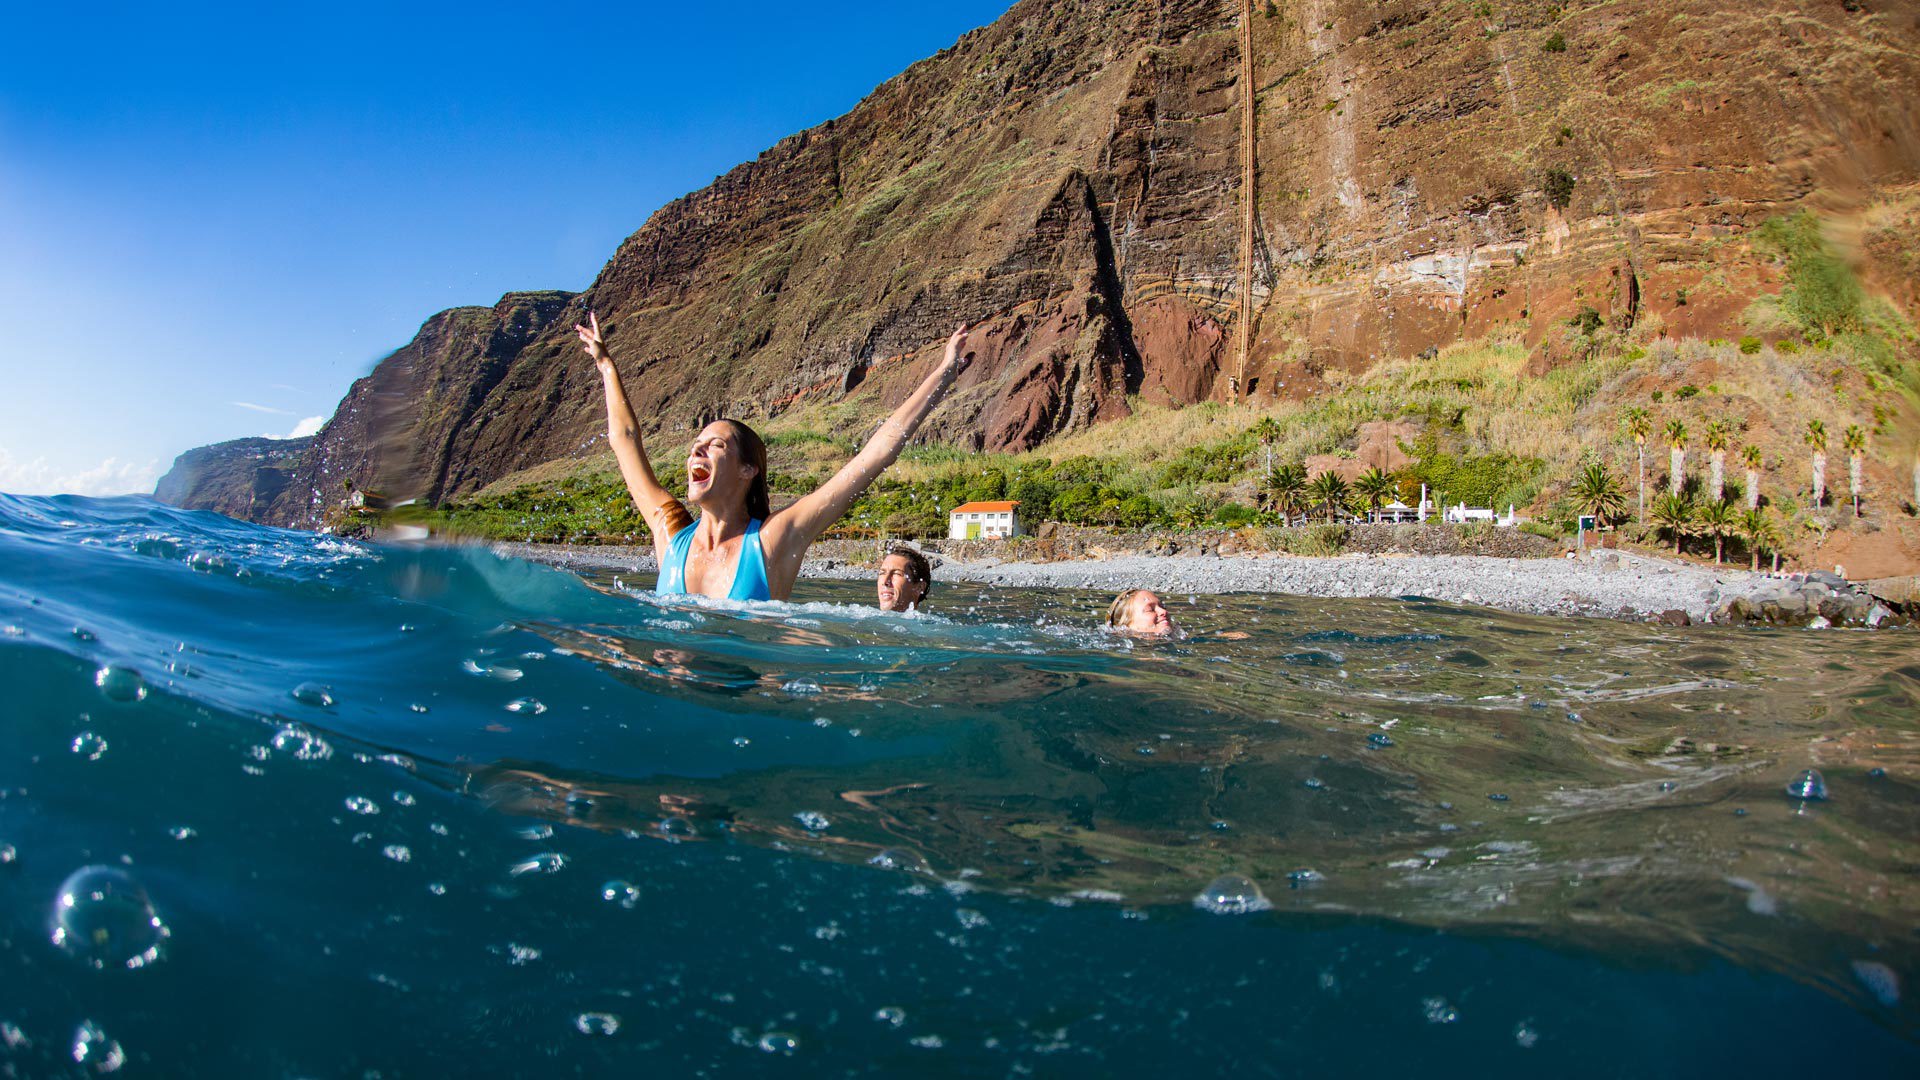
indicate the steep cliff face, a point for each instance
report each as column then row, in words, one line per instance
column 1069, row 177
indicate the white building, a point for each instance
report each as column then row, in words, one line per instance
column 983, row 521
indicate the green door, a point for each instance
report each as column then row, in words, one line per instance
column 973, row 530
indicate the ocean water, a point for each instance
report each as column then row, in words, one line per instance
column 276, row 804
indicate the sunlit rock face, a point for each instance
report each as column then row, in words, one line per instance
column 1070, row 176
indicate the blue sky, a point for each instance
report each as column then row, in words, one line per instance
column 214, row 217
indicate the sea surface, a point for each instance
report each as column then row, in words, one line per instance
column 281, row 805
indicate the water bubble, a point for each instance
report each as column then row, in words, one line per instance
column 397, row 852
column 360, row 804
column 1438, row 1011
column 547, row 862
column 521, row 955
column 526, row 706
column 1525, row 1035
column 304, row 745
column 928, row 1042
column 402, row 798
column 801, row 687
column 183, row 832
column 82, row 634
column 102, row 916
column 318, row 695
column 596, row 1023
column 1497, row 797
column 1221, row 826
column 741, row 740
column 812, row 820
column 624, row 893
column 96, row 1051
column 1740, row 811
column 534, row 832
column 1300, row 879
column 1668, row 785
column 89, row 745
column 891, row 1015
column 1573, row 718
column 970, row 919
column 1379, row 740
column 437, row 888
column 1876, row 773
column 120, row 684
column 1231, row 894
column 1808, row 785
column 778, row 1042
column 1314, row 783
column 12, row 1037
column 417, row 707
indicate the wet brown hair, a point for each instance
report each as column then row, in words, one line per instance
column 917, row 568
column 759, row 502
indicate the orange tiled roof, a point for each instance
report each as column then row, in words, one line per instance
column 983, row 508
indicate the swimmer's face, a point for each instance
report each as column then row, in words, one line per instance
column 1147, row 616
column 896, row 589
column 717, row 469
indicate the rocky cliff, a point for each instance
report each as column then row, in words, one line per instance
column 1427, row 171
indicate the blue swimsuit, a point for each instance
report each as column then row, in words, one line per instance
column 749, row 574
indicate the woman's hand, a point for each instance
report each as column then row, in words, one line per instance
column 955, row 359
column 595, row 344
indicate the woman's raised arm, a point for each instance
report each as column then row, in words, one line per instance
column 802, row 523
column 664, row 514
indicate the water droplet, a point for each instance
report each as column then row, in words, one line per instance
column 521, row 955
column 1438, row 1011
column 801, row 687
column 741, row 740
column 899, row 859
column 8, row 854
column 1231, row 894
column 402, row 798
column 417, row 707
column 82, row 634
column 596, row 1023
column 120, row 684
column 970, row 919
column 491, row 671
column 624, row 893
column 1740, row 811
column 315, row 694
column 547, row 862
column 1379, row 740
column 1668, row 785
column 1497, row 797
column 304, row 745
column 778, row 1042
column 89, row 745
column 1300, row 879
column 360, row 804
column 1314, row 782
column 1876, row 773
column 526, row 706
column 1221, row 826
column 812, row 820
column 1880, row 980
column 1145, row 751
column 437, row 888
column 397, row 852
column 96, row 1051
column 12, row 1037
column 182, row 832
column 891, row 1015
column 534, row 832
column 1524, row 1035
column 102, row 917
column 1808, row 785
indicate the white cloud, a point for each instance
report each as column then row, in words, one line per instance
column 310, row 426
column 260, row 408
column 110, row 477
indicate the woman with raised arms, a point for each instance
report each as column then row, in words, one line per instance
column 740, row 549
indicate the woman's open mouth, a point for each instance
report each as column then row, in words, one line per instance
column 698, row 473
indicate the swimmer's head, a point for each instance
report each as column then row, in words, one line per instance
column 1139, row 611
column 727, row 465
column 904, row 579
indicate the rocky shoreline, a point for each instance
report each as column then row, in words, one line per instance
column 1608, row 584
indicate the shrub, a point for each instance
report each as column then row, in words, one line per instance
column 1786, row 346
column 1558, row 187
column 1685, row 392
column 1749, row 345
column 1588, row 321
column 1556, row 43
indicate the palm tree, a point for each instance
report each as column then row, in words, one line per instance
column 1675, row 514
column 1750, row 457
column 1816, row 438
column 1639, row 425
column 1287, row 488
column 1677, row 456
column 1597, row 492
column 1374, row 488
column 1268, row 431
column 1717, row 436
column 1855, row 442
column 1717, row 520
column 1330, row 491
column 1756, row 527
